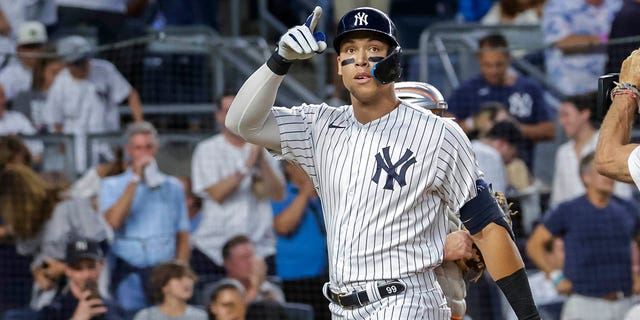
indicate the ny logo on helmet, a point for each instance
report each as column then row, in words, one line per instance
column 361, row 19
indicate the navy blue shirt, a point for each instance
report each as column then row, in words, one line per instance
column 524, row 101
column 65, row 304
column 597, row 244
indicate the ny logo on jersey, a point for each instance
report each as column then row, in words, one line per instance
column 361, row 19
column 383, row 162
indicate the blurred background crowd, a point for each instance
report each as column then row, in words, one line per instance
column 123, row 196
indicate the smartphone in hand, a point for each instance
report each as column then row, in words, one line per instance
column 92, row 286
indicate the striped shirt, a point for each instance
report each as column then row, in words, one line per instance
column 384, row 185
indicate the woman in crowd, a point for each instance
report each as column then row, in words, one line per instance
column 41, row 224
column 172, row 287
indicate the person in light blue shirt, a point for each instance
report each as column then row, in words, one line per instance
column 148, row 213
column 573, row 29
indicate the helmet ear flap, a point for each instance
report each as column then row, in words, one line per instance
column 389, row 69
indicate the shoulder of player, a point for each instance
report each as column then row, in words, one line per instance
column 320, row 107
column 321, row 111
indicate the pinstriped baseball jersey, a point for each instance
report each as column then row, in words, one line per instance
column 384, row 185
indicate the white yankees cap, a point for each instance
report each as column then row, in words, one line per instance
column 31, row 32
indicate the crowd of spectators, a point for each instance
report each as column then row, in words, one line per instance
column 243, row 235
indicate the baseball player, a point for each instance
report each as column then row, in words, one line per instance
column 616, row 157
column 386, row 172
column 449, row 275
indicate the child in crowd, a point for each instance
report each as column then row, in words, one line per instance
column 172, row 287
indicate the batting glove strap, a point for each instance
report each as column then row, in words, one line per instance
column 278, row 64
column 516, row 288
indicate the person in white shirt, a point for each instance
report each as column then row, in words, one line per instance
column 574, row 117
column 225, row 174
column 13, row 123
column 14, row 13
column 84, row 98
column 16, row 77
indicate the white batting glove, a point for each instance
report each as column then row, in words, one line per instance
column 300, row 42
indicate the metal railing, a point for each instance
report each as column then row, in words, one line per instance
column 445, row 39
column 65, row 145
column 269, row 22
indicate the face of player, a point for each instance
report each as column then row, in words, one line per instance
column 179, row 288
column 228, row 305
column 239, row 265
column 142, row 145
column 83, row 271
column 354, row 65
column 571, row 119
column 493, row 66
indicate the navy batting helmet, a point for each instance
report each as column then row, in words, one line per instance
column 366, row 19
column 370, row 19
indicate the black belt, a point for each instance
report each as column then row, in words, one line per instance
column 361, row 298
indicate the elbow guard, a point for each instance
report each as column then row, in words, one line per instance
column 484, row 209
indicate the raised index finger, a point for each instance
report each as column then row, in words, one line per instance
column 314, row 17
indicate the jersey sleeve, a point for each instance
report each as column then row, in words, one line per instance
column 294, row 124
column 634, row 166
column 53, row 111
column 457, row 169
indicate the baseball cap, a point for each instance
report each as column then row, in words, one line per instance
column 31, row 32
column 74, row 48
column 83, row 249
column 505, row 130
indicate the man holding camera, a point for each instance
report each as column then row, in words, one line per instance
column 80, row 300
column 616, row 157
